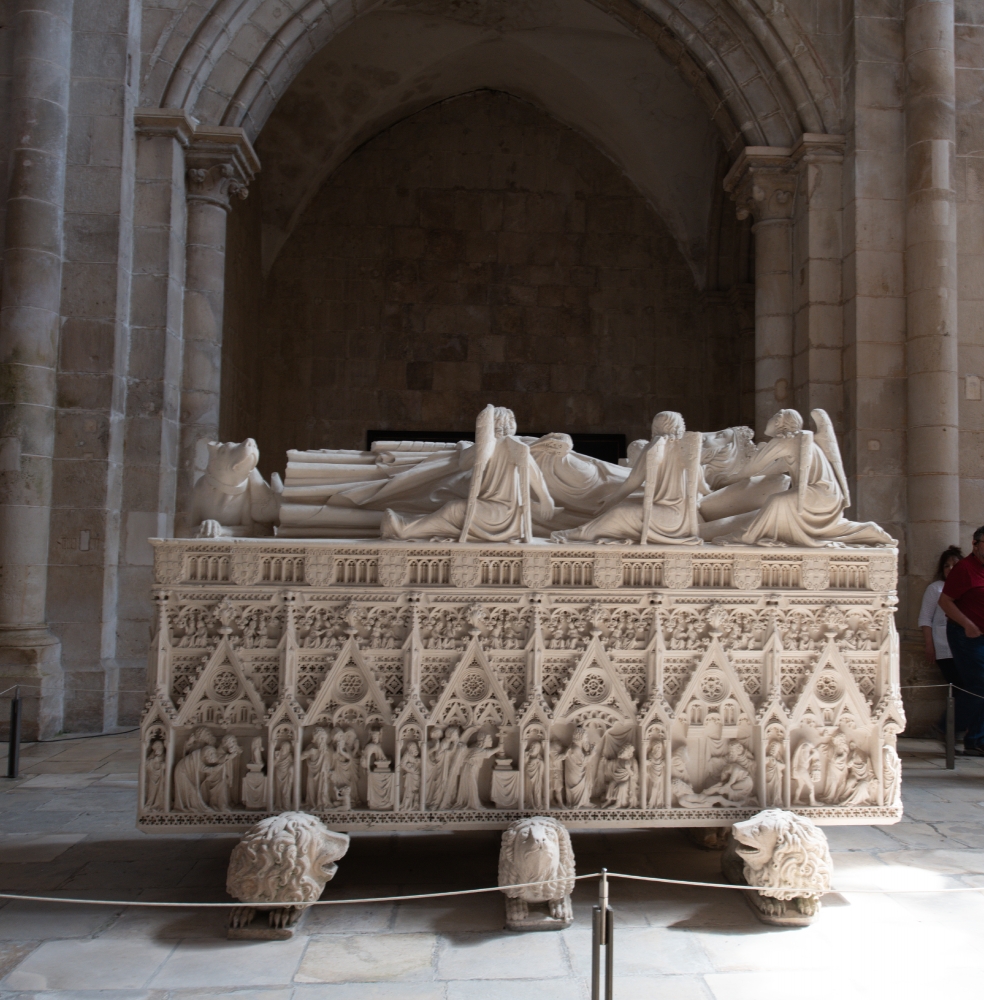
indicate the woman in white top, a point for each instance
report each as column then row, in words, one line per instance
column 932, row 621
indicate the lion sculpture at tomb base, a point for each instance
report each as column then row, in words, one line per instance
column 782, row 854
column 285, row 859
column 537, row 851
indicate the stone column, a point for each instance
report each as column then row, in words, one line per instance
column 818, row 300
column 30, row 320
column 221, row 162
column 763, row 185
column 931, row 289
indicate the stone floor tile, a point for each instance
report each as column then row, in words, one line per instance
column 51, row 921
column 375, row 991
column 58, row 767
column 16, row 848
column 540, row 989
column 962, row 834
column 503, row 956
column 282, row 993
column 642, row 951
column 464, row 913
column 801, row 948
column 87, row 750
column 12, row 953
column 775, row 985
column 88, row 995
column 912, row 833
column 859, row 838
column 368, row 958
column 88, row 965
column 349, row 919
column 168, row 925
column 83, row 780
column 662, row 988
column 945, row 862
column 196, row 963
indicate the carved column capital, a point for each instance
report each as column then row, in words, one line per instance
column 221, row 162
column 762, row 183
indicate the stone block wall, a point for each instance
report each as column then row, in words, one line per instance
column 479, row 251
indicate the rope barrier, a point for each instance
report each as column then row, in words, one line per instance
column 811, row 890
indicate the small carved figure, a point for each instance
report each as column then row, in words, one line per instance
column 231, row 497
column 535, row 789
column 254, row 783
column 285, row 860
column 435, row 767
column 454, row 748
column 860, row 779
column 806, row 772
column 190, row 771
column 891, row 775
column 782, row 854
column 345, row 763
column 410, row 777
column 467, row 795
column 838, row 754
column 557, row 757
column 154, row 777
column 682, row 791
column 319, row 758
column 735, row 783
column 622, row 790
column 374, row 752
column 578, row 773
column 218, row 778
column 283, row 775
column 537, row 851
column 655, row 769
column 775, row 770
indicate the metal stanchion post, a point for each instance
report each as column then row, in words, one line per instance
column 13, row 750
column 602, row 933
column 951, row 721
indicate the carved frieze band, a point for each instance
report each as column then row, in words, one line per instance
column 399, row 686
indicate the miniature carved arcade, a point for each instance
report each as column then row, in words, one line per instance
column 680, row 642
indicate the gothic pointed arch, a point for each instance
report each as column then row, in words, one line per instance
column 831, row 694
column 349, row 693
column 223, row 693
column 595, row 690
column 715, row 688
column 474, row 695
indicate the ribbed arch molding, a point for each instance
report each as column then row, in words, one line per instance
column 749, row 61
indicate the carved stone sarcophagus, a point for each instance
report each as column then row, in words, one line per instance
column 392, row 685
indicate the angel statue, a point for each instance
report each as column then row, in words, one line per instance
column 498, row 508
column 811, row 512
column 668, row 471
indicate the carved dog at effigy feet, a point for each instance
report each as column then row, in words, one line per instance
column 782, row 854
column 232, row 498
column 286, row 860
column 537, row 850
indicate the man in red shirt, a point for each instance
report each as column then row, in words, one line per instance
column 962, row 602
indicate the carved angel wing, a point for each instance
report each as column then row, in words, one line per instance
column 805, row 439
column 484, row 446
column 827, row 439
